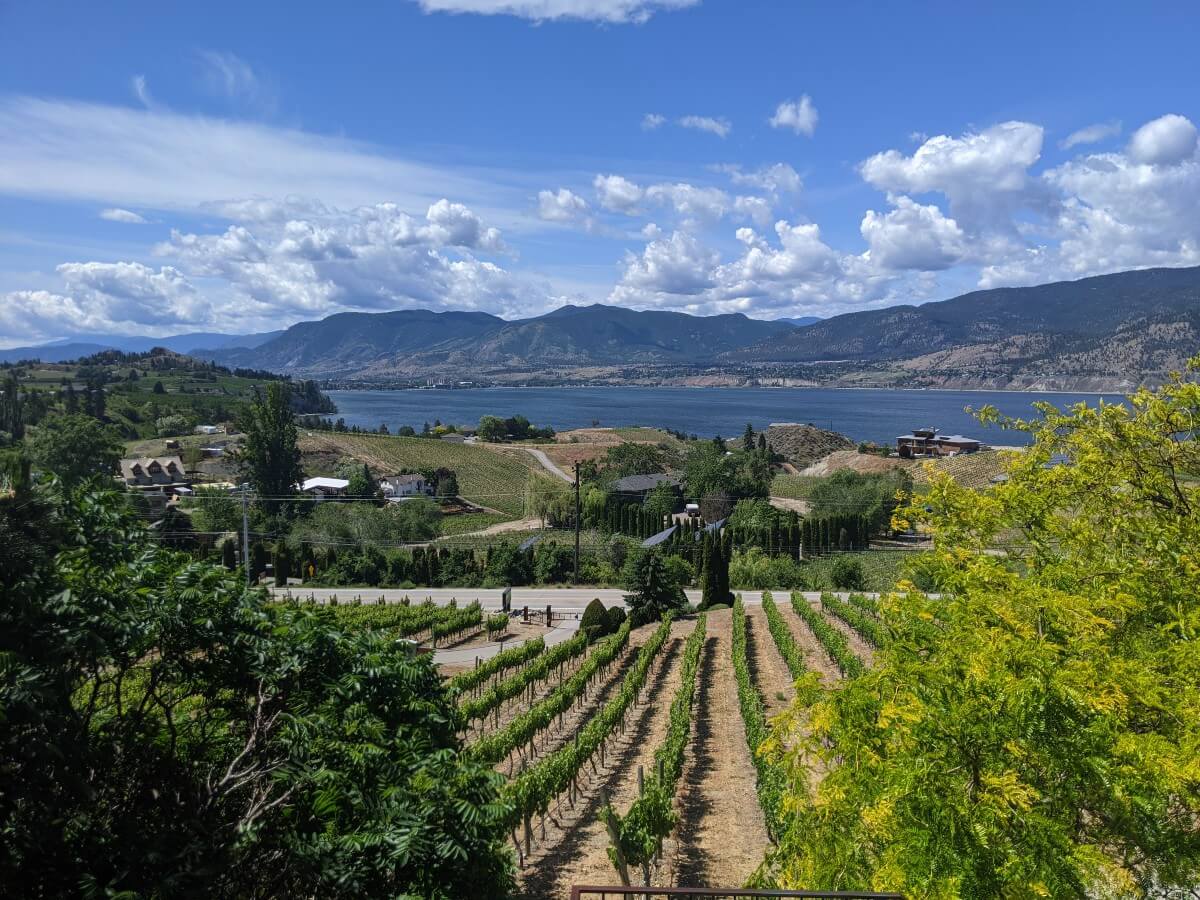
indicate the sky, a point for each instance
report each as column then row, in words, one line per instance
column 239, row 167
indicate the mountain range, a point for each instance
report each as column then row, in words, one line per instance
column 1105, row 333
column 88, row 344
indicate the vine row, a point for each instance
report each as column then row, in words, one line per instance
column 867, row 626
column 494, row 747
column 520, row 681
column 869, row 605
column 829, row 637
column 782, row 635
column 501, row 662
column 651, row 818
column 754, row 716
column 533, row 789
column 456, row 624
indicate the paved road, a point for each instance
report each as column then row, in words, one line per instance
column 568, row 601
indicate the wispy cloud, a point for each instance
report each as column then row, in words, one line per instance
column 227, row 75
column 1092, row 134
column 142, row 91
column 719, row 127
column 615, row 12
column 124, row 216
column 160, row 160
column 651, row 121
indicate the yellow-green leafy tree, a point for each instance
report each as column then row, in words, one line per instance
column 1032, row 726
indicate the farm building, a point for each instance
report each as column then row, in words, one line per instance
column 325, row 487
column 153, row 471
column 397, row 487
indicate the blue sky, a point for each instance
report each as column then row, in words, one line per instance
column 239, row 167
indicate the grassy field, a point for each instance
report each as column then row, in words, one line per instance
column 486, row 478
column 452, row 525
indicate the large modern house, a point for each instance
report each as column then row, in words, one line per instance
column 927, row 442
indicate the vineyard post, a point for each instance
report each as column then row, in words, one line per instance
column 615, row 837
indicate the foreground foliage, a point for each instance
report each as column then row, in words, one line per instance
column 165, row 732
column 1035, row 729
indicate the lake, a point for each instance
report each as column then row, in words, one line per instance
column 864, row 415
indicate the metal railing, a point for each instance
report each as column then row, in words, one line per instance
column 596, row 892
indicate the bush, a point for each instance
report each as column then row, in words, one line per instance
column 848, row 574
column 616, row 618
column 594, row 622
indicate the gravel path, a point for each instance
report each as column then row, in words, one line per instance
column 721, row 838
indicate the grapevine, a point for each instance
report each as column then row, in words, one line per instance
column 868, row 627
column 520, row 681
column 533, row 789
column 496, row 746
column 501, row 662
column 651, row 817
column 829, row 637
column 770, row 779
column 869, row 605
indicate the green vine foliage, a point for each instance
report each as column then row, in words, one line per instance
column 829, row 637
column 501, row 662
column 512, row 686
column 651, row 817
column 867, row 604
column 867, row 627
column 399, row 620
column 494, row 747
column 533, row 789
column 453, row 625
column 754, row 716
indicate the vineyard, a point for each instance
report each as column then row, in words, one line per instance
column 636, row 756
column 486, row 478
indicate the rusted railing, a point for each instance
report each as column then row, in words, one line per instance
column 595, row 892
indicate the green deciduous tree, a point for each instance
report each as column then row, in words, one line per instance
column 268, row 456
column 1034, row 729
column 75, row 448
column 164, row 732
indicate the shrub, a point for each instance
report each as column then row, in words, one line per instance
column 848, row 574
column 616, row 618
column 594, row 622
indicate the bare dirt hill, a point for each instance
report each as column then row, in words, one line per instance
column 802, row 445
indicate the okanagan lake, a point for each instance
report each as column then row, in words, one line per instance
column 864, row 415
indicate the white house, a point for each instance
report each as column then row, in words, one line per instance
column 207, row 429
column 397, row 487
column 325, row 487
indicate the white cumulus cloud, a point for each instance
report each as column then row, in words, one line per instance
column 798, row 115
column 912, row 236
column 561, row 206
column 617, row 193
column 1165, row 141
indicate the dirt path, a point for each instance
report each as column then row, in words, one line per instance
column 575, row 849
column 721, row 836
column 858, row 646
column 767, row 667
column 549, row 465
column 815, row 656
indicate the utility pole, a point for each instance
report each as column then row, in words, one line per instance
column 576, row 523
column 246, row 531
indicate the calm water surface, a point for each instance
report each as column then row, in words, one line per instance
column 874, row 415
